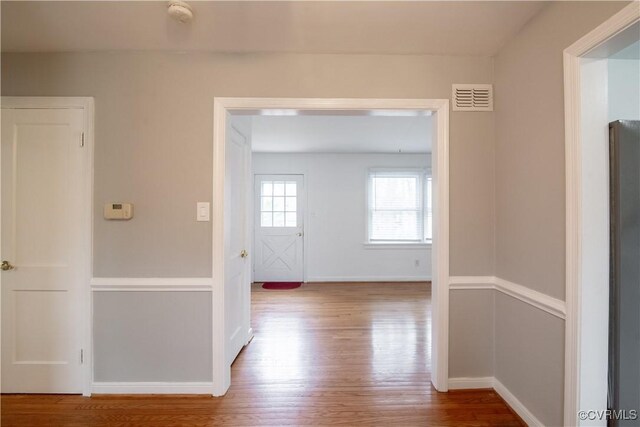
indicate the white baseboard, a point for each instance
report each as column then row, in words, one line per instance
column 516, row 405
column 152, row 388
column 464, row 383
column 369, row 279
column 468, row 383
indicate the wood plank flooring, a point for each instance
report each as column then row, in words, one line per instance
column 323, row 354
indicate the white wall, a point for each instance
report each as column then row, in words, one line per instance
column 336, row 227
column 624, row 87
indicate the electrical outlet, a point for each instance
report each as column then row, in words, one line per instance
column 417, row 263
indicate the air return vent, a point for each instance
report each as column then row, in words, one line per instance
column 472, row 97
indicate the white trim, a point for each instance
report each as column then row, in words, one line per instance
column 321, row 279
column 472, row 282
column 573, row 194
column 470, row 383
column 151, row 387
column 515, row 404
column 440, row 291
column 534, row 298
column 159, row 284
column 86, row 316
column 396, row 245
column 537, row 299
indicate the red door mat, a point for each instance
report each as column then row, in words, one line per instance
column 281, row 285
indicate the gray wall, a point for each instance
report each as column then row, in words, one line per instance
column 132, row 331
column 530, row 207
column 471, row 333
column 154, row 135
column 153, row 148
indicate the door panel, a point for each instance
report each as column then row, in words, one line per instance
column 279, row 237
column 42, row 177
column 237, row 273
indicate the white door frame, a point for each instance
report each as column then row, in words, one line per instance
column 440, row 254
column 574, row 210
column 86, row 253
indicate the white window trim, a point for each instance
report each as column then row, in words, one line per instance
column 397, row 244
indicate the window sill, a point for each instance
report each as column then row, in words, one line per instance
column 396, row 245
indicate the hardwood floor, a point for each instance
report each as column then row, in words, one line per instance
column 324, row 354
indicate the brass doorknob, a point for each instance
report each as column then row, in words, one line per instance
column 244, row 254
column 6, row 265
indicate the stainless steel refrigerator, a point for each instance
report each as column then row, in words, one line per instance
column 624, row 302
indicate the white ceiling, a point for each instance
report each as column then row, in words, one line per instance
column 341, row 134
column 396, row 27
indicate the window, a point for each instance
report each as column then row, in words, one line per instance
column 278, row 204
column 400, row 206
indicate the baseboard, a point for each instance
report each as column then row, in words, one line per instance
column 152, row 388
column 369, row 279
column 468, row 383
column 516, row 405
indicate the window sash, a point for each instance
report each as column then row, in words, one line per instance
column 421, row 210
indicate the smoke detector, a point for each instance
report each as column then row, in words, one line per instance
column 180, row 11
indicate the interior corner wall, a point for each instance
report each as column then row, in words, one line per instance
column 153, row 147
column 530, row 199
column 335, row 186
column 471, row 333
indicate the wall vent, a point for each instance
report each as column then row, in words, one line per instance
column 472, row 97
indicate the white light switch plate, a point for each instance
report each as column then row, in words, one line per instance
column 202, row 211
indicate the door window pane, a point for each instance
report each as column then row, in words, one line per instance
column 266, row 219
column 278, row 204
column 291, row 219
column 267, row 188
column 290, row 205
column 278, row 219
column 266, row 204
column 278, row 188
column 291, row 188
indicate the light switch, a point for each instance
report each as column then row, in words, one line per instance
column 202, row 211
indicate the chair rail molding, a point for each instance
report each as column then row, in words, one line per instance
column 527, row 295
column 150, row 284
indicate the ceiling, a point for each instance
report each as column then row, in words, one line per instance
column 393, row 27
column 341, row 134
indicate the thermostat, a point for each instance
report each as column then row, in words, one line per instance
column 118, row 211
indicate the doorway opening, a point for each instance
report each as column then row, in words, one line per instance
column 238, row 212
column 601, row 88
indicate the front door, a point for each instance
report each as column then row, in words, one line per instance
column 43, row 173
column 279, row 237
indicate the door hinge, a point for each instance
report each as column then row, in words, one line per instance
column 81, row 356
column 82, row 140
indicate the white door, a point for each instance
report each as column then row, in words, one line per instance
column 237, row 273
column 43, row 173
column 279, row 237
